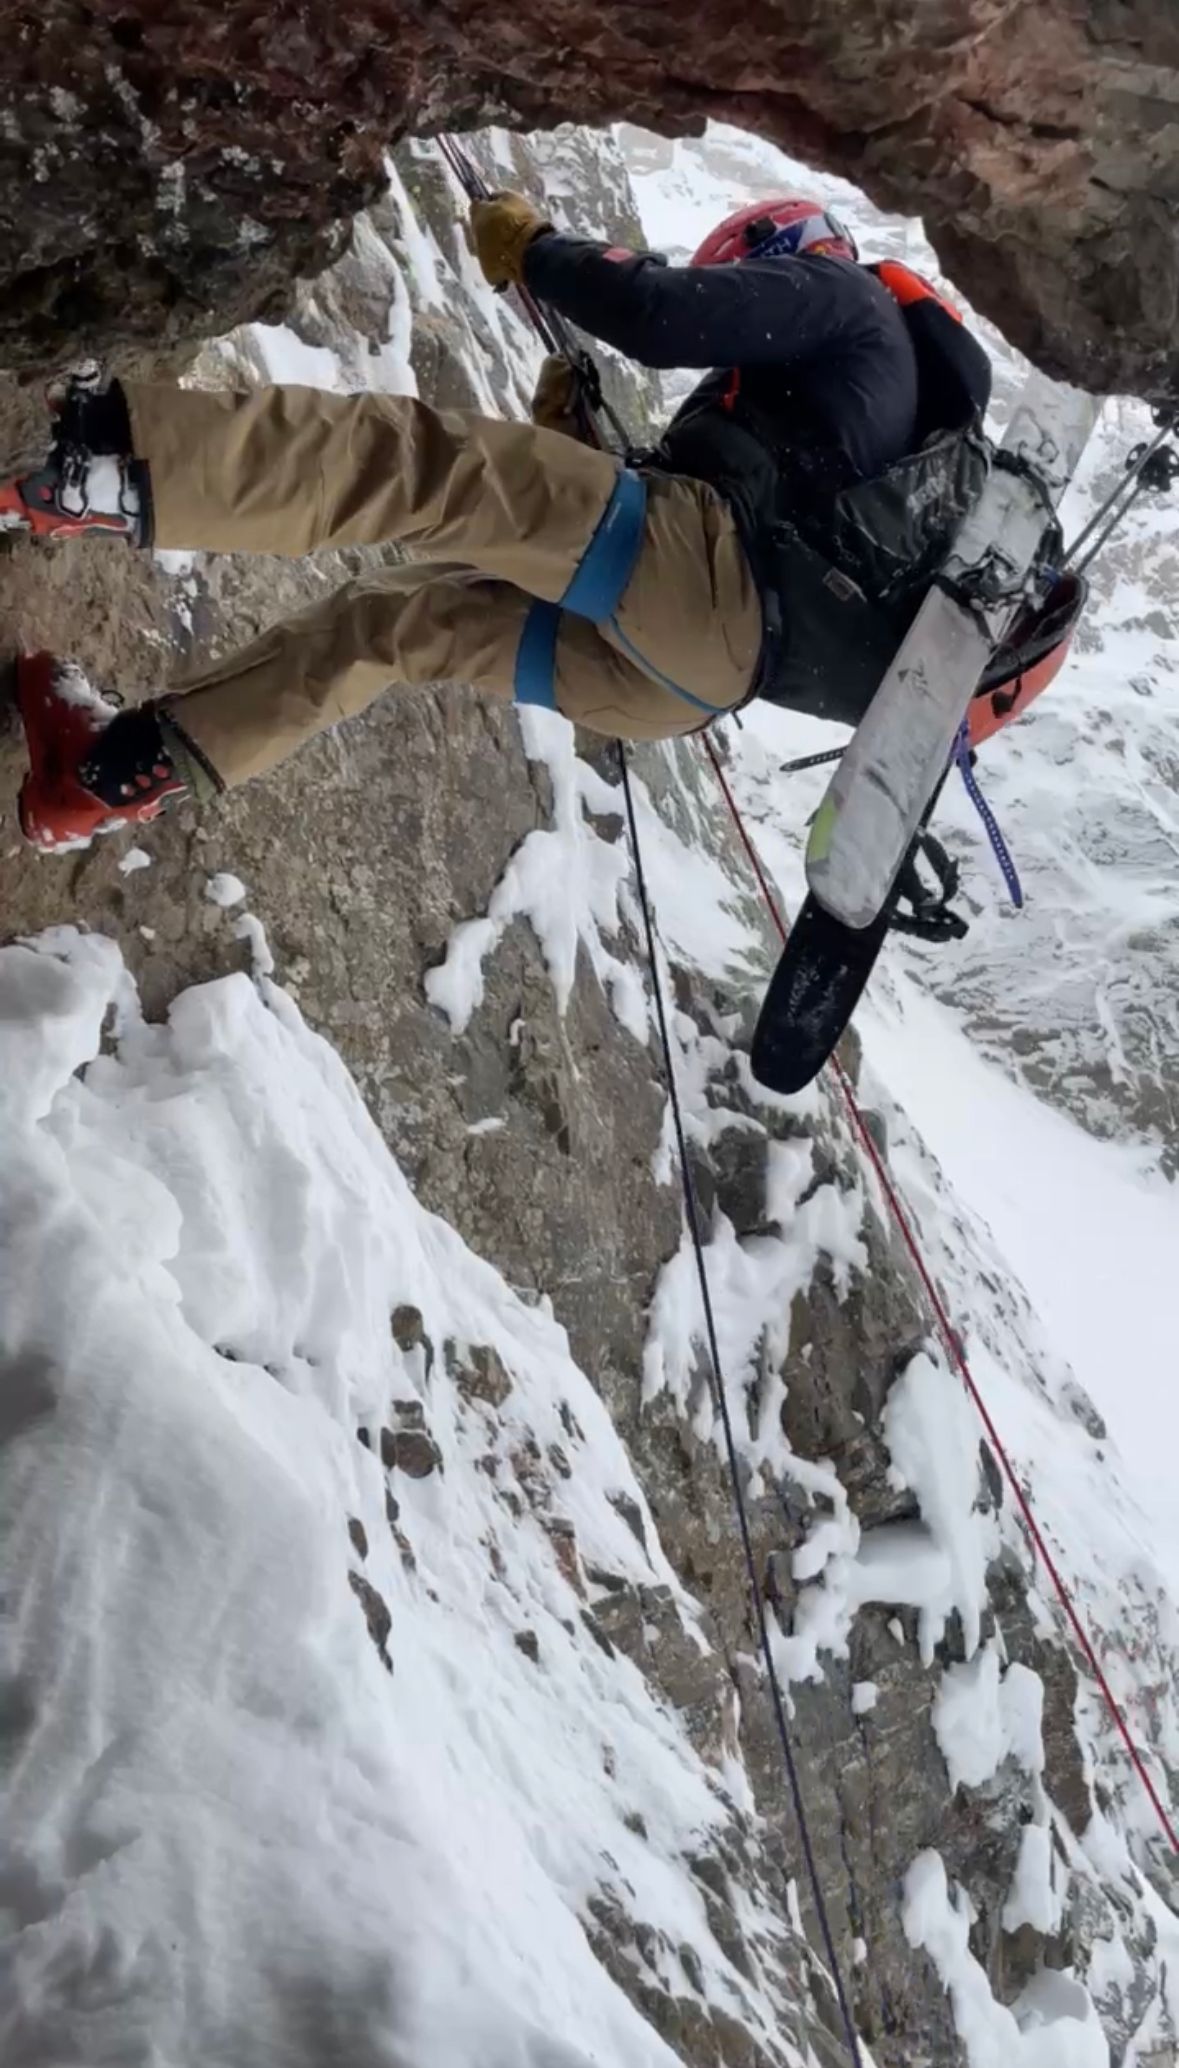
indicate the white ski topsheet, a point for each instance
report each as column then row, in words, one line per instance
column 899, row 751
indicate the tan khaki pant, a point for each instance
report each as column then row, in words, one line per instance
column 287, row 470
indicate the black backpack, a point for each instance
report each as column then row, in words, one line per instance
column 841, row 586
column 843, row 575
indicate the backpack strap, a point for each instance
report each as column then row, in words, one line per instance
column 907, row 287
column 953, row 371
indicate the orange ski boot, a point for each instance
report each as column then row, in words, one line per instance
column 91, row 481
column 92, row 767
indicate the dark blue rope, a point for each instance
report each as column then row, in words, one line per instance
column 999, row 847
column 720, row 1400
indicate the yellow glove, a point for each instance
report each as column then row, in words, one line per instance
column 554, row 405
column 502, row 228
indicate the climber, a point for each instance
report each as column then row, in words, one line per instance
column 636, row 599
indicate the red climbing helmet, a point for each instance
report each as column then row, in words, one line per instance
column 775, row 229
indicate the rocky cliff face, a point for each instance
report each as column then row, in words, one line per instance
column 166, row 172
column 936, row 1708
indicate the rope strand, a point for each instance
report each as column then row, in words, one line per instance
column 954, row 1347
column 720, row 1399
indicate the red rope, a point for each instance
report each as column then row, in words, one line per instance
column 953, row 1343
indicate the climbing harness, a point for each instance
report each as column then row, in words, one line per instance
column 543, row 321
column 594, row 591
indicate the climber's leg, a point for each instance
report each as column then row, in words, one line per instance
column 246, row 713
column 392, row 631
column 405, row 628
column 287, row 470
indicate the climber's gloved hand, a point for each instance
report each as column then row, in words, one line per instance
column 554, row 405
column 501, row 229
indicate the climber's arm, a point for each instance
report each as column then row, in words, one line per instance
column 698, row 316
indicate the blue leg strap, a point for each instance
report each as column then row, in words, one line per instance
column 608, row 562
column 594, row 590
column 536, row 657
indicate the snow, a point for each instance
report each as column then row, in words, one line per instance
column 285, row 358
column 422, row 254
column 752, row 1283
column 136, row 858
column 1053, row 2024
column 936, row 1565
column 173, row 561
column 982, row 1716
column 1033, row 1899
column 1094, row 1229
column 699, row 912
column 73, row 687
column 932, row 1435
column 230, row 1833
column 225, row 889
column 249, row 928
column 565, row 880
column 864, row 1697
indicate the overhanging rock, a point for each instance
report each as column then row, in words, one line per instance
column 165, row 171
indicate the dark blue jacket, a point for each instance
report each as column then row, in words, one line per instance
column 824, row 352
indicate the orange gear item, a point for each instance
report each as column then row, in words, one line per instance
column 63, row 720
column 1031, row 658
column 35, row 504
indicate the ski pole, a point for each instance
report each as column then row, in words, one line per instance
column 1158, row 470
column 811, row 761
column 1129, row 487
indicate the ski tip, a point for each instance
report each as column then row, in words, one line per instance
column 787, row 1061
column 812, row 994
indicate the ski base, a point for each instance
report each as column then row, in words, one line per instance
column 813, row 993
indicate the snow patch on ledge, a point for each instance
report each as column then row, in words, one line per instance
column 1052, row 2024
column 565, row 880
column 753, row 1281
column 937, row 1565
column 982, row 1716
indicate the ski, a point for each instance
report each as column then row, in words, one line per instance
column 813, row 993
column 819, row 981
column 898, row 754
